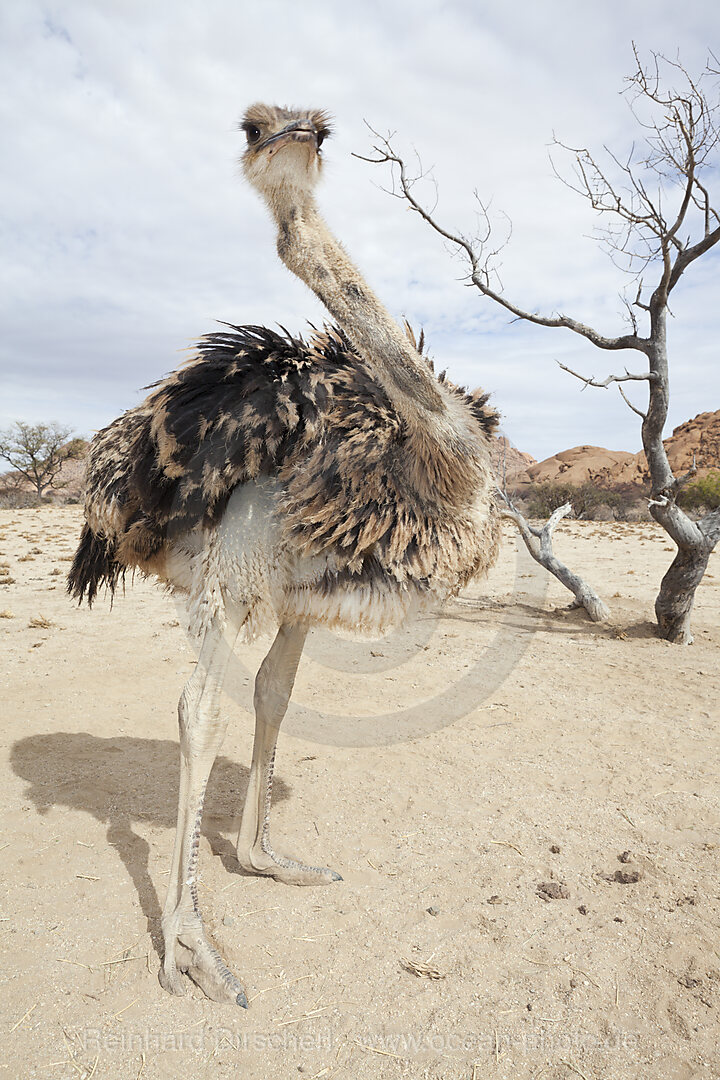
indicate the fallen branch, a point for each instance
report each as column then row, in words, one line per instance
column 539, row 544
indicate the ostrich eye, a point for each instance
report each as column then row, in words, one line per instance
column 252, row 133
column 320, row 138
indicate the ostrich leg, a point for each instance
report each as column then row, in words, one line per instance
column 201, row 733
column 273, row 687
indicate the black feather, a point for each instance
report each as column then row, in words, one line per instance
column 93, row 566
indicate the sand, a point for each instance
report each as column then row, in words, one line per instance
column 530, row 889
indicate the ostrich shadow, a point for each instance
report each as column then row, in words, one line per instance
column 121, row 780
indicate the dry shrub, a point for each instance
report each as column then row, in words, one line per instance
column 586, row 500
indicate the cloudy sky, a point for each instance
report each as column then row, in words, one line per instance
column 127, row 231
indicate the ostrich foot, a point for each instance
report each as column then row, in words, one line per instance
column 261, row 859
column 190, row 952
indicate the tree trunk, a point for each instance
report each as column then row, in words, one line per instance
column 674, row 602
column 695, row 541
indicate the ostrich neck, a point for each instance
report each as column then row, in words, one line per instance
column 308, row 248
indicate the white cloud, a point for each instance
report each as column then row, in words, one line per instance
column 126, row 231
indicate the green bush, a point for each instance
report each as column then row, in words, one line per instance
column 701, row 493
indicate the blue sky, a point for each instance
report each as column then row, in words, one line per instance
column 127, row 230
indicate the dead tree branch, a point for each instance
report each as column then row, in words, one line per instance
column 630, row 405
column 646, row 376
column 480, row 259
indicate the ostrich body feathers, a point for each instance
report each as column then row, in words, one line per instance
column 351, row 540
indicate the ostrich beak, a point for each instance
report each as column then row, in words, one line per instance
column 297, row 131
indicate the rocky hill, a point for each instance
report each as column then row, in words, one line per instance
column 700, row 437
column 578, row 465
column 509, row 460
column 616, row 468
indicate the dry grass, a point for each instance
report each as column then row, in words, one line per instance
column 423, row 971
column 39, row 622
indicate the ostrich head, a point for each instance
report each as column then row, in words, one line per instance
column 283, row 147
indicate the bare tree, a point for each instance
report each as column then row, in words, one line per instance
column 658, row 218
column 37, row 452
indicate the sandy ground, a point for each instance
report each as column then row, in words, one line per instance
column 486, row 851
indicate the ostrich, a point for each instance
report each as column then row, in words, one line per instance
column 282, row 483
